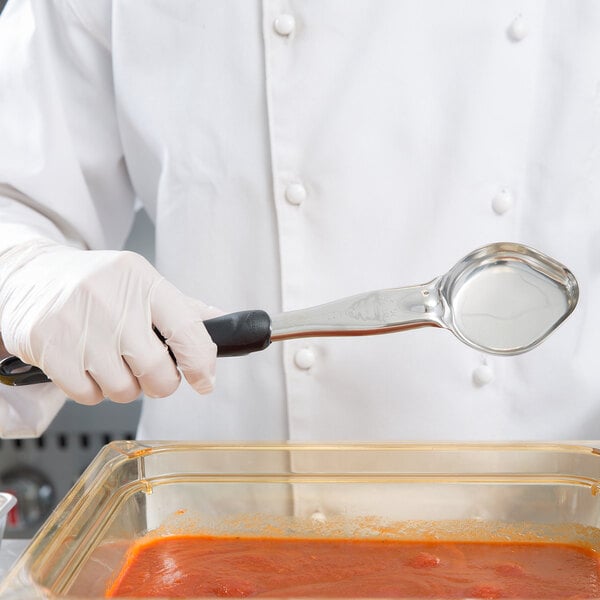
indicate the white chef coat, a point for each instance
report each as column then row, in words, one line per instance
column 293, row 152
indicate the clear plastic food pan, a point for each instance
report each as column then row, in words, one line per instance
column 465, row 492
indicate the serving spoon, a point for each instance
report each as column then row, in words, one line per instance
column 503, row 298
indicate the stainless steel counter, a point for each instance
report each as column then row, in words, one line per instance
column 10, row 550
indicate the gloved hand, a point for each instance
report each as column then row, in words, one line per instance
column 85, row 318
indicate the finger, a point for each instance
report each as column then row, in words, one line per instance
column 150, row 362
column 179, row 319
column 68, row 372
column 199, row 364
column 114, row 378
column 74, row 381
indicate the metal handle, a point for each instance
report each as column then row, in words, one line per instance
column 235, row 334
column 382, row 311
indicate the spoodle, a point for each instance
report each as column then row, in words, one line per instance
column 504, row 298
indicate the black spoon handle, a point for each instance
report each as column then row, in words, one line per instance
column 240, row 333
column 235, row 334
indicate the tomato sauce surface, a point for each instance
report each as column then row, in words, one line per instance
column 195, row 566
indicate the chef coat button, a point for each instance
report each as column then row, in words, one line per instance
column 483, row 375
column 517, row 30
column 304, row 358
column 502, row 202
column 295, row 193
column 284, row 24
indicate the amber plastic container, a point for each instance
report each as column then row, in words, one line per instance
column 134, row 490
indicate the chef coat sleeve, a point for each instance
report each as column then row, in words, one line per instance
column 62, row 170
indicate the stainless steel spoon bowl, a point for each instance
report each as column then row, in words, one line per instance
column 504, row 298
column 507, row 298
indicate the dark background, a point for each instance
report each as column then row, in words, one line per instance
column 2, row 3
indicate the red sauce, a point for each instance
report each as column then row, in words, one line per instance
column 193, row 566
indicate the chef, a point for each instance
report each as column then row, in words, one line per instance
column 290, row 153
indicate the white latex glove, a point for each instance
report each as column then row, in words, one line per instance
column 85, row 318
